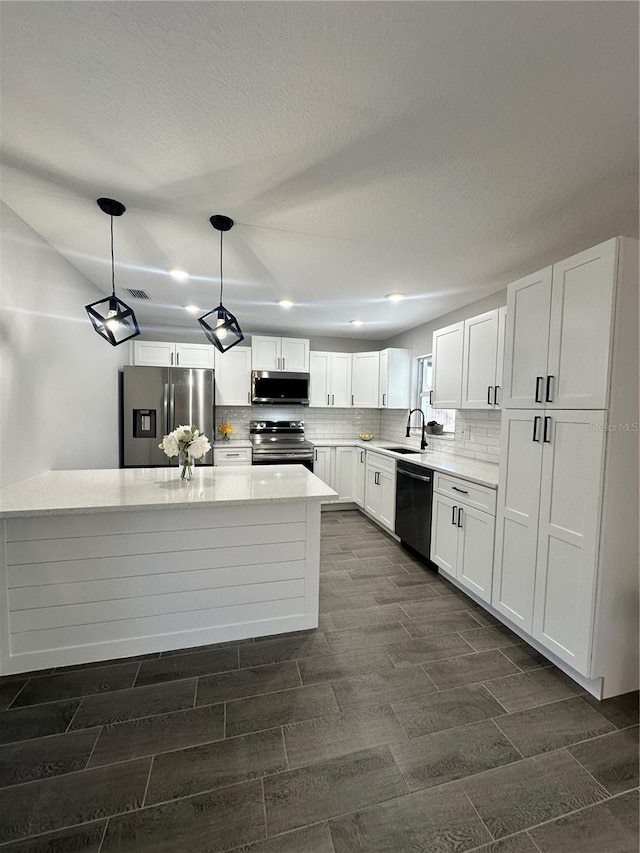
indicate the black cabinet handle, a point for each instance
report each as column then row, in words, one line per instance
column 456, row 489
column 453, row 515
column 430, row 398
column 460, row 517
column 333, row 396
column 539, row 381
column 315, row 455
column 352, row 399
column 489, row 403
column 547, row 396
column 384, row 399
column 496, row 388
column 362, row 457
column 327, row 399
column 545, row 436
column 536, row 423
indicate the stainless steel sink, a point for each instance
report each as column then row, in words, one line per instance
column 402, row 450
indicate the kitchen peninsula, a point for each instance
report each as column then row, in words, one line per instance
column 105, row 564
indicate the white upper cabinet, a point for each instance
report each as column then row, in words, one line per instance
column 558, row 333
column 288, row 354
column 195, row 355
column 154, row 353
column 330, row 379
column 233, row 377
column 169, row 354
column 526, row 341
column 502, row 330
column 447, row 347
column 395, row 377
column 365, row 380
column 320, row 379
column 582, row 303
column 480, row 361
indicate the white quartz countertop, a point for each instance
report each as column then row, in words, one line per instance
column 484, row 473
column 113, row 490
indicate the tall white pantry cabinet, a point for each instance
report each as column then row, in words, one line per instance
column 566, row 555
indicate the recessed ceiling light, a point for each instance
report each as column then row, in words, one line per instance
column 179, row 275
column 285, row 303
column 356, row 322
column 395, row 297
column 192, row 309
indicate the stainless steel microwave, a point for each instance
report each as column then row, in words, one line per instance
column 274, row 386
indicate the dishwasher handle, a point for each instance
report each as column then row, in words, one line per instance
column 414, row 476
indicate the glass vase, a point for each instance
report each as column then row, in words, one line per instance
column 185, row 463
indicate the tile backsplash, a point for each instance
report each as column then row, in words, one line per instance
column 477, row 434
column 318, row 423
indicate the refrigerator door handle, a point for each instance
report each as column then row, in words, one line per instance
column 165, row 408
column 172, row 407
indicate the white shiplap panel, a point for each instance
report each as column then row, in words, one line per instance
column 52, row 595
column 110, row 523
column 52, row 550
column 36, row 574
column 151, row 605
column 161, row 626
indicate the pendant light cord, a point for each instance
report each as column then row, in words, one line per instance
column 113, row 268
column 221, row 233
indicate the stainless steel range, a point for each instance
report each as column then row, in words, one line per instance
column 280, row 443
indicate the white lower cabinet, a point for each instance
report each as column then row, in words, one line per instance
column 548, row 528
column 322, row 458
column 361, row 471
column 336, row 466
column 380, row 489
column 223, row 456
column 462, row 540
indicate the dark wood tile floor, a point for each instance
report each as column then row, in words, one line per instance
column 409, row 721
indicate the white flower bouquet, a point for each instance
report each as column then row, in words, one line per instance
column 188, row 443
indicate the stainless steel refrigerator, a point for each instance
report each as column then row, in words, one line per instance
column 154, row 401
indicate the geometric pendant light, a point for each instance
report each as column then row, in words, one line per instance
column 219, row 325
column 112, row 318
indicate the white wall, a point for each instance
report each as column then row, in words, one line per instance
column 58, row 378
column 418, row 340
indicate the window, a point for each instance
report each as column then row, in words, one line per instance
column 446, row 417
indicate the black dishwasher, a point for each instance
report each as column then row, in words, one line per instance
column 414, row 496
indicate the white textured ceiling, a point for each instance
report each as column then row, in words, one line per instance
column 440, row 149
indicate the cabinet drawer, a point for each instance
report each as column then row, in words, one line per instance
column 480, row 497
column 232, row 456
column 381, row 462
